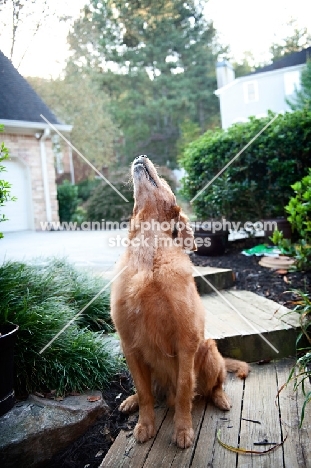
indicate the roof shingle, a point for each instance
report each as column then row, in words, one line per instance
column 296, row 58
column 18, row 101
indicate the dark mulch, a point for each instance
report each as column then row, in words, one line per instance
column 90, row 449
column 250, row 276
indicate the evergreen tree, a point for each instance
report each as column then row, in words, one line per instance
column 158, row 65
column 303, row 95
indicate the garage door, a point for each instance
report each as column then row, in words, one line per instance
column 17, row 212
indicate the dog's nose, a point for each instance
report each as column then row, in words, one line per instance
column 141, row 156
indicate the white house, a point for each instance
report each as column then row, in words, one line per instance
column 265, row 89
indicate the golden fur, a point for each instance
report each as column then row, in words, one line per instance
column 159, row 315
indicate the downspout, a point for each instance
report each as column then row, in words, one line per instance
column 72, row 170
column 47, row 197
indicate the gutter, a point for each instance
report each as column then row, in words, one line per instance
column 25, row 125
column 47, row 197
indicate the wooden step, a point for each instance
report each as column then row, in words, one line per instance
column 220, row 278
column 257, row 413
column 239, row 320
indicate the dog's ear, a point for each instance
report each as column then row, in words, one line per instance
column 185, row 232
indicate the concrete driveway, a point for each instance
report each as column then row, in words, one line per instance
column 95, row 250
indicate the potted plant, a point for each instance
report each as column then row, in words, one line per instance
column 7, row 340
column 211, row 237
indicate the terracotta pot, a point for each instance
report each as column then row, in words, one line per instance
column 7, row 340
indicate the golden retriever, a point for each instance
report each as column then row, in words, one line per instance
column 158, row 313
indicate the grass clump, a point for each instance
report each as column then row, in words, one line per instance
column 42, row 298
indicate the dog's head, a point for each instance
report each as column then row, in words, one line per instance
column 155, row 200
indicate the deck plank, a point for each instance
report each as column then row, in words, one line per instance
column 304, row 434
column 208, row 451
column 126, row 452
column 173, row 456
column 293, row 456
column 259, row 405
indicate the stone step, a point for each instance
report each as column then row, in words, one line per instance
column 240, row 321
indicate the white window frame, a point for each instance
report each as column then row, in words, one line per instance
column 246, row 85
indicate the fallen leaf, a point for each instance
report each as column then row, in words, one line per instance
column 99, row 453
column 93, row 398
column 39, row 394
column 74, row 393
column 285, row 279
column 59, row 398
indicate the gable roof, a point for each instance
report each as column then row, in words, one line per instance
column 18, row 100
column 296, row 58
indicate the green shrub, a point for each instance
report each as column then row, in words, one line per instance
column 257, row 184
column 86, row 188
column 106, row 204
column 299, row 210
column 67, row 196
column 42, row 299
column 5, row 187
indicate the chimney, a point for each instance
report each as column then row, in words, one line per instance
column 224, row 73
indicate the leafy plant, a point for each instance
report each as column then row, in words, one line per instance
column 257, row 184
column 301, row 372
column 67, row 196
column 5, row 187
column 299, row 207
column 42, row 298
column 299, row 210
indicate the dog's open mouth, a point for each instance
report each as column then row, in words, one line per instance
column 140, row 165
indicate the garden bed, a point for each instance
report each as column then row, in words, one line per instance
column 250, row 276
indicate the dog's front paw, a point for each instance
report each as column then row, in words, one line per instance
column 144, row 432
column 183, row 437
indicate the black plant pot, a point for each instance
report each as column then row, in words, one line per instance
column 281, row 225
column 7, row 340
column 214, row 243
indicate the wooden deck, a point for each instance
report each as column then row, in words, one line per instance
column 257, row 414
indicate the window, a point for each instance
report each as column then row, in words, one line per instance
column 291, row 82
column 250, row 91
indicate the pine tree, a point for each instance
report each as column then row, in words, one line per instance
column 303, row 95
column 158, row 66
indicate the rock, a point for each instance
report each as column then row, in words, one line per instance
column 36, row 429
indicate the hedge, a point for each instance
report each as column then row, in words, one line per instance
column 257, row 184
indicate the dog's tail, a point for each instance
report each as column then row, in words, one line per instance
column 240, row 368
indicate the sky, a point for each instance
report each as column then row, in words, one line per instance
column 244, row 25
